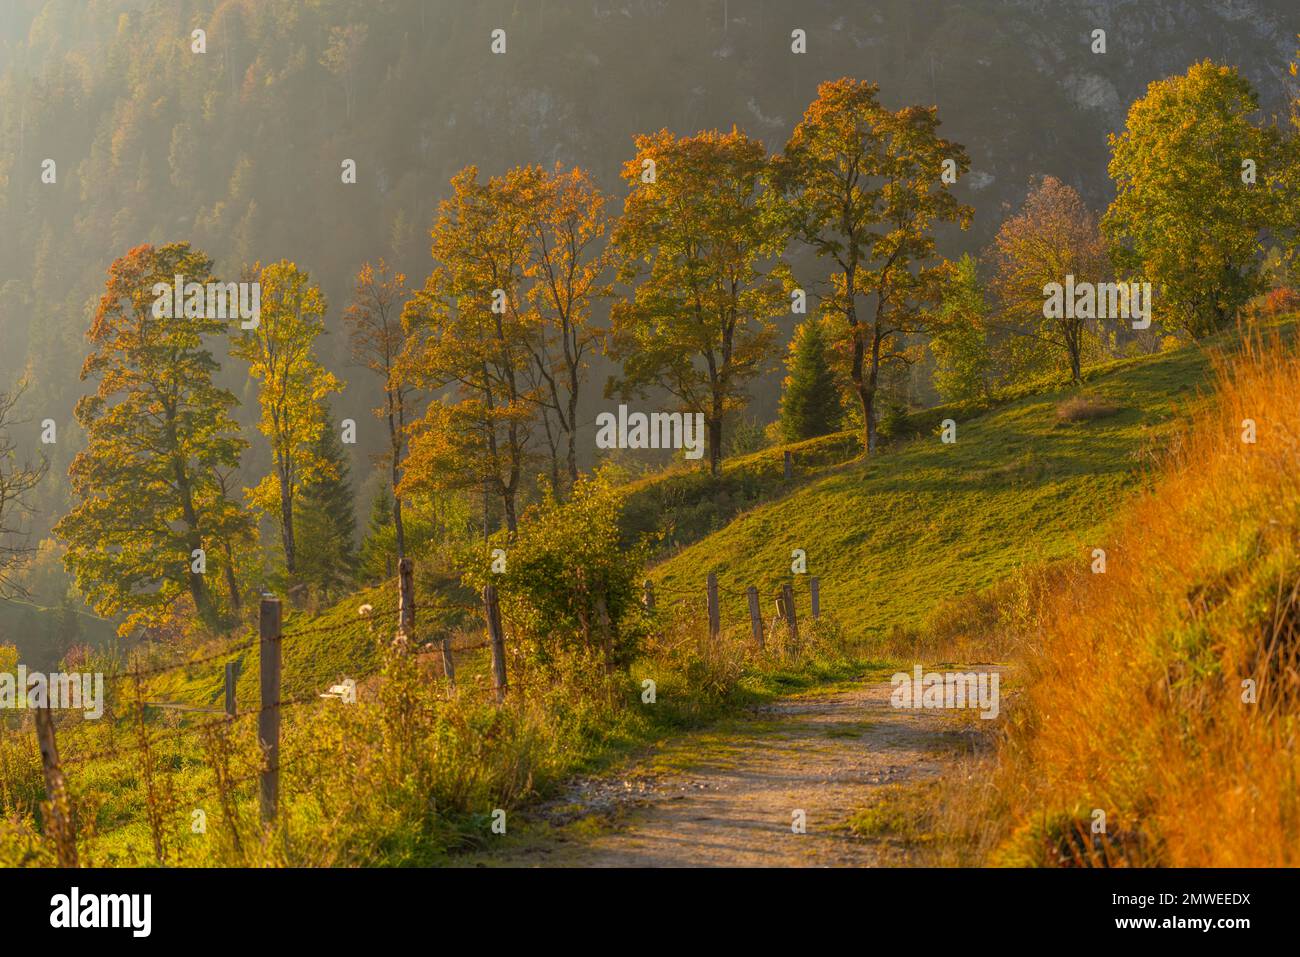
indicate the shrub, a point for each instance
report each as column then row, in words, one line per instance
column 1280, row 301
column 1085, row 408
column 569, row 583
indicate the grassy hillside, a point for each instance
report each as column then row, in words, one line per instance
column 892, row 537
column 682, row 504
column 889, row 538
column 320, row 650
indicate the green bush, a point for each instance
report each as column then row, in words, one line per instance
column 569, row 582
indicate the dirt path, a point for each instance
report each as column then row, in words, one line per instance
column 727, row 795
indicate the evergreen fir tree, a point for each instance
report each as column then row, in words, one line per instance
column 811, row 404
column 378, row 549
column 327, row 524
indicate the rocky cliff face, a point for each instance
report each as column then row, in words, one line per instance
column 1016, row 81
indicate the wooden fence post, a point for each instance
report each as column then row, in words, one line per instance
column 448, row 662
column 789, row 465
column 60, row 825
column 406, row 602
column 815, row 588
column 791, row 620
column 232, row 675
column 755, row 616
column 268, row 719
column 492, row 612
column 649, row 595
column 715, row 615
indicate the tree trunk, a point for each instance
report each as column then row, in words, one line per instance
column 286, row 528
column 508, row 503
column 573, row 427
column 197, row 587
column 399, row 532
column 199, row 592
column 232, row 584
column 715, row 445
column 866, row 391
column 395, row 441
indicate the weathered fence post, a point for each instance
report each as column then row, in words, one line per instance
column 715, row 615
column 649, row 595
column 789, row 465
column 268, row 719
column 791, row 620
column 448, row 662
column 815, row 588
column 406, row 602
column 60, row 825
column 755, row 616
column 492, row 612
column 232, row 675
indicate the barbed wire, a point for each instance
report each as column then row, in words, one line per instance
column 137, row 673
column 151, row 672
column 209, row 790
column 171, row 734
column 224, row 721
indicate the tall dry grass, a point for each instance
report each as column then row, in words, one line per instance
column 1136, row 682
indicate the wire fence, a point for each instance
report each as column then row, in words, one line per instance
column 142, row 742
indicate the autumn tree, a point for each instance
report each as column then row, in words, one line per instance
column 159, row 433
column 1196, row 180
column 19, row 476
column 294, row 387
column 377, row 340
column 565, row 226
column 866, row 186
column 467, row 328
column 960, row 343
column 1053, row 236
column 694, row 235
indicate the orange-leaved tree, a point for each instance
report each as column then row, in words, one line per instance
column 467, row 328
column 148, row 486
column 695, row 235
column 1053, row 236
column 865, row 187
column 567, row 262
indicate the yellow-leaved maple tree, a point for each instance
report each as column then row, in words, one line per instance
column 281, row 354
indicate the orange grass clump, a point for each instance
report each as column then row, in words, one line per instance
column 1134, row 679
